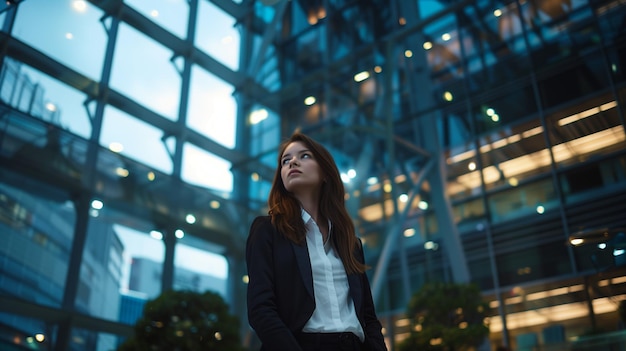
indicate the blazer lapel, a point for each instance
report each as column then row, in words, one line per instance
column 302, row 256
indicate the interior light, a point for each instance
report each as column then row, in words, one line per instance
column 255, row 177
column 378, row 69
column 471, row 166
column 191, row 219
column 345, row 178
column 372, row 180
column 361, row 76
column 497, row 12
column 490, row 111
column 541, row 209
column 214, row 204
column 408, row 53
column 245, row 279
column 179, row 233
column 402, row 21
column 122, row 172
column 309, row 100
column 97, row 204
column 79, row 5
column 156, row 235
column 495, row 117
column 403, row 198
column 351, row 173
column 427, row 45
column 618, row 252
column 151, row 176
column 321, row 13
column 447, row 96
column 258, row 116
column 446, row 36
column 116, row 147
column 423, row 205
column 387, row 188
column 409, row 232
column 587, row 113
column 602, row 246
column 576, row 241
column 154, row 13
column 40, row 337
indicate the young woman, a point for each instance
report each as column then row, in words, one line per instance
column 308, row 289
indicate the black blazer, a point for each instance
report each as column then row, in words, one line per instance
column 280, row 290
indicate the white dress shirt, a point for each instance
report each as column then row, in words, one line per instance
column 334, row 308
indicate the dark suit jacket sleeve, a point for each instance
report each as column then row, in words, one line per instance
column 263, row 313
column 374, row 339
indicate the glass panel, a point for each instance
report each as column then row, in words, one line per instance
column 550, row 23
column 37, row 230
column 503, row 106
column 219, row 36
column 88, row 340
column 170, row 14
column 513, row 154
column 535, row 198
column 133, row 72
column 494, row 46
column 205, row 169
column 480, row 271
column 23, row 333
column 198, row 269
column 463, row 179
column 43, row 97
column 143, row 259
column 136, row 139
column 588, row 129
column 69, row 32
column 443, row 51
column 212, row 107
column 586, row 76
column 596, row 179
column 611, row 24
column 468, row 215
column 542, row 261
column 121, row 267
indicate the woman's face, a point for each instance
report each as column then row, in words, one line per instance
column 298, row 169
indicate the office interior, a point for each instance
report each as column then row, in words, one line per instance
column 479, row 141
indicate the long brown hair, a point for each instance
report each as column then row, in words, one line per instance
column 285, row 209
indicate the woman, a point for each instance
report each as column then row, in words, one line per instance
column 308, row 289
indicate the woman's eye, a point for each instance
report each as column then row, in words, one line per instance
column 306, row 156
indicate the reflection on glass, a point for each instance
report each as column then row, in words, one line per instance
column 205, row 169
column 218, row 36
column 36, row 230
column 170, row 14
column 41, row 96
column 88, row 340
column 22, row 333
column 121, row 267
column 136, row 139
column 587, row 129
column 67, row 31
column 212, row 107
column 134, row 72
column 199, row 270
column 533, row 198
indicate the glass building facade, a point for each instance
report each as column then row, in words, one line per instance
column 477, row 140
